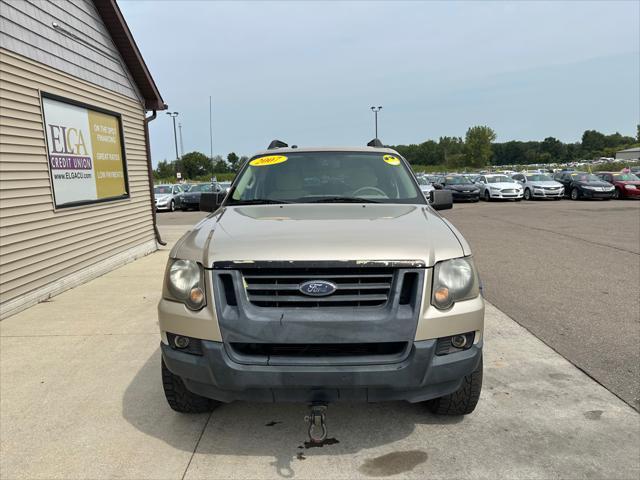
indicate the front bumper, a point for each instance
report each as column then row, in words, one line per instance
column 633, row 193
column 596, row 194
column 506, row 196
column 420, row 376
column 465, row 196
column 539, row 193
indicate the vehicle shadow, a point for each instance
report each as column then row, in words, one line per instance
column 268, row 430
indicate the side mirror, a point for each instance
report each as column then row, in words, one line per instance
column 441, row 199
column 210, row 202
column 438, row 186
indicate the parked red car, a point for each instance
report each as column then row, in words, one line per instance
column 627, row 184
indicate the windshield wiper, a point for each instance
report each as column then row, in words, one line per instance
column 342, row 200
column 258, row 201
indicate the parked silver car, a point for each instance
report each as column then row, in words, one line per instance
column 539, row 185
column 498, row 186
column 168, row 197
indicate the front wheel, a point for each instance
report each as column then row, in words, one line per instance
column 464, row 400
column 487, row 196
column 575, row 195
column 180, row 399
column 527, row 194
column 172, row 206
column 616, row 194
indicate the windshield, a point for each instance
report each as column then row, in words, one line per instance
column 162, row 190
column 585, row 177
column 626, row 177
column 201, row 187
column 315, row 177
column 539, row 178
column 500, row 179
column 457, row 180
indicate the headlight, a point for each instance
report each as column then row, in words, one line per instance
column 184, row 282
column 494, row 188
column 630, row 187
column 454, row 280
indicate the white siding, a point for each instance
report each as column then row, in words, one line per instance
column 81, row 46
column 40, row 246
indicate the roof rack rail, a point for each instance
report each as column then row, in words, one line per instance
column 277, row 144
column 375, row 143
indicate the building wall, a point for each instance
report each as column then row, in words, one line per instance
column 628, row 155
column 80, row 45
column 42, row 250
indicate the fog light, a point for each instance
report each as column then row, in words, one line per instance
column 181, row 342
column 459, row 341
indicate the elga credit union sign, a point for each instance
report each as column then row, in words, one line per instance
column 86, row 158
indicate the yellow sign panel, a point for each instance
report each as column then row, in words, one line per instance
column 266, row 161
column 391, row 159
column 106, row 146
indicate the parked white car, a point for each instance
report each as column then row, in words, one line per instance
column 425, row 186
column 497, row 186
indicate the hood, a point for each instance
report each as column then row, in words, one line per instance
column 162, row 196
column 463, row 186
column 502, row 185
column 594, row 184
column 321, row 232
column 628, row 182
column 192, row 194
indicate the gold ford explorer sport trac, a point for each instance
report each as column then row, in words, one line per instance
column 324, row 275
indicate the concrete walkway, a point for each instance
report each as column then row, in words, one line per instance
column 80, row 397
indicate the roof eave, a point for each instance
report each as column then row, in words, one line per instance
column 126, row 45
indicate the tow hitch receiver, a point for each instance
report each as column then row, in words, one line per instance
column 317, row 422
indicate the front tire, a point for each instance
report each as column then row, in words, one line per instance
column 172, row 206
column 464, row 400
column 180, row 399
column 616, row 194
column 575, row 194
column 527, row 194
column 487, row 196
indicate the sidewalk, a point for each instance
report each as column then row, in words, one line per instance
column 81, row 397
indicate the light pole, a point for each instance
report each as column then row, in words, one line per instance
column 375, row 111
column 173, row 115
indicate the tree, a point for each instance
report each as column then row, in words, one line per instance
column 593, row 142
column 234, row 161
column 165, row 170
column 478, row 145
column 219, row 165
column 553, row 147
column 194, row 164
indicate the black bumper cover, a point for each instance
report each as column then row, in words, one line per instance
column 421, row 376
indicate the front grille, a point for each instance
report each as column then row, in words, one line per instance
column 508, row 190
column 356, row 287
column 319, row 349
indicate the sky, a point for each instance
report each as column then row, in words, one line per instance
column 308, row 72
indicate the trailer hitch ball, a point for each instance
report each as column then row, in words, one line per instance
column 317, row 423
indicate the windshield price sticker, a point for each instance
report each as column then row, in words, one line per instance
column 391, row 159
column 266, row 161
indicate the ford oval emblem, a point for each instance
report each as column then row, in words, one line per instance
column 317, row 288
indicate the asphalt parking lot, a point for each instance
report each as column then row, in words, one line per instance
column 82, row 398
column 567, row 271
